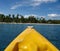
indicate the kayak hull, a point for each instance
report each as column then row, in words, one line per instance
column 30, row 40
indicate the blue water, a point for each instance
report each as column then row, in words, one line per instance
column 9, row 31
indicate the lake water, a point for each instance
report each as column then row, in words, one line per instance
column 9, row 31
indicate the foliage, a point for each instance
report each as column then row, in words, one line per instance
column 21, row 19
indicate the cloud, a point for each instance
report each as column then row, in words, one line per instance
column 2, row 13
column 45, row 0
column 32, row 3
column 53, row 15
column 37, row 16
column 39, row 2
column 26, row 16
column 15, row 6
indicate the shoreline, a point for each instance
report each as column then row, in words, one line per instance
column 30, row 23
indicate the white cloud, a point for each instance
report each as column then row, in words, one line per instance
column 45, row 0
column 2, row 13
column 42, row 16
column 26, row 16
column 15, row 6
column 53, row 15
column 32, row 3
column 37, row 16
column 39, row 2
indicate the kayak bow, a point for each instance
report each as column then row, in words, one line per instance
column 30, row 40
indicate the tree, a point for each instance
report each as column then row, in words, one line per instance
column 32, row 19
column 13, row 17
column 2, row 17
column 42, row 20
column 8, row 18
column 17, row 19
column 9, row 15
column 22, row 20
column 49, row 21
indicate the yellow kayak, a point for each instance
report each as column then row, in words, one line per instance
column 30, row 40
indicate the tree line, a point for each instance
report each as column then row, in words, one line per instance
column 21, row 19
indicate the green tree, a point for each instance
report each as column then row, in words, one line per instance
column 17, row 19
column 13, row 17
column 22, row 19
column 32, row 19
column 49, row 21
column 7, row 19
column 2, row 17
column 42, row 20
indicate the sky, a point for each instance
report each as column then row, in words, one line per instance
column 49, row 9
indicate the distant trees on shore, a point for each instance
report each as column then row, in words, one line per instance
column 21, row 19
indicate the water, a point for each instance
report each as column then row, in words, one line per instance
column 9, row 31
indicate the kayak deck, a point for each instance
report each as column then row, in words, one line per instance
column 30, row 40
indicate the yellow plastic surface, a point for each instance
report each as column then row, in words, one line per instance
column 30, row 40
